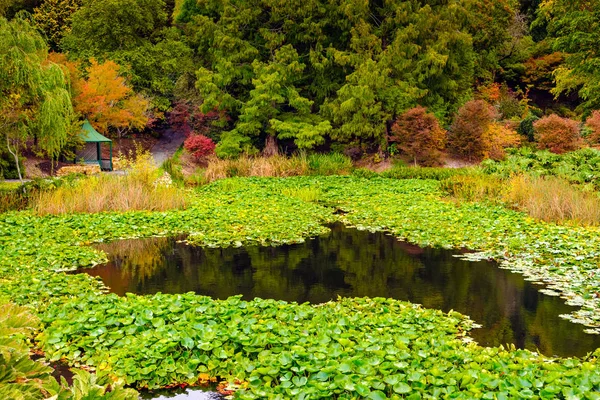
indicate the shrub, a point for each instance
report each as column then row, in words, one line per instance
column 419, row 135
column 557, row 134
column 526, row 127
column 199, row 146
column 592, row 124
column 496, row 138
column 466, row 136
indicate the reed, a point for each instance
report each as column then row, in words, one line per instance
column 141, row 188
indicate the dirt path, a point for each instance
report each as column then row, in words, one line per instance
column 167, row 145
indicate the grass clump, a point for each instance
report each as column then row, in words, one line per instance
column 307, row 194
column 329, row 164
column 141, row 188
column 477, row 188
column 553, row 199
column 546, row 198
column 435, row 173
column 277, row 166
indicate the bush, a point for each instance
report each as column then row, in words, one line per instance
column 466, row 137
column 419, row 135
column 496, row 139
column 592, row 125
column 559, row 135
column 199, row 146
column 526, row 127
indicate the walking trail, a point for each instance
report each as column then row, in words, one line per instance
column 167, row 145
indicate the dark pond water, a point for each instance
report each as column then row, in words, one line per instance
column 353, row 263
column 182, row 394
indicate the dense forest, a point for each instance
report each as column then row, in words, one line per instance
column 271, row 75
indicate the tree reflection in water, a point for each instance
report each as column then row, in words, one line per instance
column 353, row 263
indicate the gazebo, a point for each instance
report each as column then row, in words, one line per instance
column 92, row 152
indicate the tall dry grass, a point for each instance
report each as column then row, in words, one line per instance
column 553, row 199
column 548, row 199
column 277, row 166
column 141, row 188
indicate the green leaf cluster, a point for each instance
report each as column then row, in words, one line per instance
column 580, row 167
column 24, row 379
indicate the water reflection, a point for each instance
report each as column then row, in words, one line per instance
column 353, row 263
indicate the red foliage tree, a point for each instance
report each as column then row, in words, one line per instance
column 467, row 136
column 199, row 146
column 557, row 134
column 187, row 117
column 419, row 135
column 593, row 126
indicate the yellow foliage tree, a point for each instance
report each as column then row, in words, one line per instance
column 104, row 97
column 106, row 100
column 496, row 138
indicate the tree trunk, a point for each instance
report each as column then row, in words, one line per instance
column 15, row 154
column 271, row 148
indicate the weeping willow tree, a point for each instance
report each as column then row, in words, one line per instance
column 34, row 98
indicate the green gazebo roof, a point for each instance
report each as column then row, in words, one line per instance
column 90, row 135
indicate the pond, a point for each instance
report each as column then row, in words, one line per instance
column 353, row 263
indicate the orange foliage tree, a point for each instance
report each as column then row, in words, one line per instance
column 557, row 134
column 419, row 135
column 467, row 137
column 496, row 138
column 104, row 98
column 593, row 126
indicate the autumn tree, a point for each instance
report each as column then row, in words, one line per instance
column 136, row 35
column 466, row 136
column 559, row 135
column 418, row 134
column 34, row 98
column 105, row 99
column 496, row 138
column 592, row 124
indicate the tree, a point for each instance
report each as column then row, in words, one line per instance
column 104, row 26
column 105, row 99
column 557, row 134
column 419, row 135
column 54, row 17
column 592, row 124
column 135, row 34
column 574, row 26
column 264, row 112
column 34, row 101
column 466, row 137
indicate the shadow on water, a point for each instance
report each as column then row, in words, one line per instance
column 353, row 263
